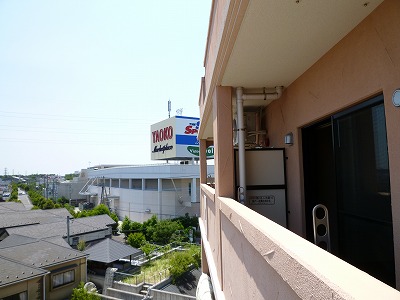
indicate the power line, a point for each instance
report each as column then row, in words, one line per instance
column 70, row 117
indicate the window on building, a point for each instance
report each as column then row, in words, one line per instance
column 20, row 296
column 63, row 278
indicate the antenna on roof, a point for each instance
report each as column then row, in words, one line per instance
column 179, row 112
column 169, row 108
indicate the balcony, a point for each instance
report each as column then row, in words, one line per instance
column 251, row 257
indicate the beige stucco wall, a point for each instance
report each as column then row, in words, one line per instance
column 32, row 287
column 364, row 63
column 65, row 291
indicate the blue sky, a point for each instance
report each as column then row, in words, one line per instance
column 82, row 81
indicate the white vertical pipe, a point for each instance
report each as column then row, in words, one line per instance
column 241, row 146
column 159, row 188
column 194, row 190
column 240, row 97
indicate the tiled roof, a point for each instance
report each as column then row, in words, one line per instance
column 59, row 228
column 58, row 240
column 40, row 231
column 16, row 240
column 61, row 212
column 96, row 221
column 27, row 217
column 12, row 272
column 109, row 250
column 40, row 254
column 11, row 206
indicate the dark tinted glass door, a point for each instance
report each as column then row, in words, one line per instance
column 364, row 213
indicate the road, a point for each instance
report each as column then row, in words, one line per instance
column 24, row 199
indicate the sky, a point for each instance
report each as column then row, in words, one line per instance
column 82, row 81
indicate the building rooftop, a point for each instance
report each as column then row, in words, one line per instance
column 14, row 218
column 99, row 221
column 11, row 206
column 59, row 228
column 16, row 240
column 39, row 253
column 12, row 271
column 109, row 250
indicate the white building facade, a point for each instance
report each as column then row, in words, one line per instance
column 138, row 192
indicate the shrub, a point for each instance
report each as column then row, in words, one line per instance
column 180, row 263
column 80, row 293
column 136, row 239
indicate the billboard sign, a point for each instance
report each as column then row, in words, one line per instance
column 176, row 138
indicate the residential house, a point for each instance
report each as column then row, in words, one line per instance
column 39, row 269
column 20, row 281
column 50, row 223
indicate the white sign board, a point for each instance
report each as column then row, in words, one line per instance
column 176, row 138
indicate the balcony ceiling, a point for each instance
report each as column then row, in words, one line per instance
column 279, row 40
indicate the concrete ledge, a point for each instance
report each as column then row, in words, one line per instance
column 309, row 270
column 209, row 191
column 219, row 294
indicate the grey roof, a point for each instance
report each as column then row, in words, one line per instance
column 40, row 254
column 99, row 221
column 109, row 250
column 16, row 240
column 77, row 226
column 6, row 207
column 186, row 285
column 28, row 217
column 12, row 272
column 40, row 231
column 61, row 212
column 58, row 240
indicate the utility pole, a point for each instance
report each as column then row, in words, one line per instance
column 45, row 186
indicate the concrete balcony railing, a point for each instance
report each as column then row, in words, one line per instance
column 250, row 257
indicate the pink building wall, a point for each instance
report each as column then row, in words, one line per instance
column 365, row 63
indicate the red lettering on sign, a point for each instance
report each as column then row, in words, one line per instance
column 163, row 134
column 190, row 130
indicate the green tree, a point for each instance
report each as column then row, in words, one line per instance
column 48, row 204
column 163, row 231
column 62, row 200
column 126, row 225
column 136, row 239
column 187, row 221
column 114, row 217
column 148, row 227
column 14, row 192
column 135, row 227
column 147, row 249
column 100, row 209
column 150, row 222
column 80, row 293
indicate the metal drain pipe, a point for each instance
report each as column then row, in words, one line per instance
column 240, row 97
